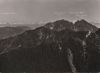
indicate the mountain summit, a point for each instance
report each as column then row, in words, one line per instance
column 60, row 25
column 80, row 25
column 83, row 25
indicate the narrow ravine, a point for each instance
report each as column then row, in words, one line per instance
column 70, row 60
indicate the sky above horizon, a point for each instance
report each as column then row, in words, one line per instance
column 35, row 11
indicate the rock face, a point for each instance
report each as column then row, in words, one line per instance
column 60, row 25
column 56, row 49
column 82, row 25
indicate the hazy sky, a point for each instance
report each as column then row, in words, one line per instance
column 32, row 11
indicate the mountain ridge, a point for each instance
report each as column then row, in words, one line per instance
column 46, row 49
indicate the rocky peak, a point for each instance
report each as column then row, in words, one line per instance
column 59, row 25
column 83, row 25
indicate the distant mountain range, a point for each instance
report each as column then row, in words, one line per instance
column 6, row 32
column 59, row 46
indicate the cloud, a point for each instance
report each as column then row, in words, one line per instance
column 78, row 14
column 59, row 0
column 2, row 1
column 45, row 1
column 7, row 13
column 80, row 0
column 60, row 13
